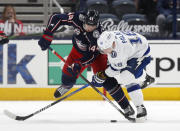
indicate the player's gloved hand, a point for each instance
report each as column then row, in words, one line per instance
column 98, row 79
column 45, row 40
column 3, row 38
column 74, row 69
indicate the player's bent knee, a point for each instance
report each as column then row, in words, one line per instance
column 68, row 80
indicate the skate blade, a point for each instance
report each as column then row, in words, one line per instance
column 141, row 119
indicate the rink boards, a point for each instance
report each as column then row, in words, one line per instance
column 27, row 73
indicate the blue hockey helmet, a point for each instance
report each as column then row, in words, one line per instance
column 92, row 17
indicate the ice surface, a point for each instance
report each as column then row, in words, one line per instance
column 87, row 116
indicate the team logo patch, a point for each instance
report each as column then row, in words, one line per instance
column 96, row 34
column 113, row 54
column 77, row 31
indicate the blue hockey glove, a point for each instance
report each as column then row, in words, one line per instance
column 98, row 79
column 74, row 69
column 45, row 40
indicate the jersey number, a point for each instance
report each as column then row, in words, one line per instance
column 92, row 48
column 135, row 39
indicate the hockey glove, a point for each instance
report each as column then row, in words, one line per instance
column 74, row 69
column 45, row 40
column 98, row 79
column 3, row 38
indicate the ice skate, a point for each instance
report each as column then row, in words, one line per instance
column 149, row 80
column 141, row 114
column 60, row 91
column 129, row 112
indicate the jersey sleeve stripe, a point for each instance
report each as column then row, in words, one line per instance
column 51, row 19
column 56, row 25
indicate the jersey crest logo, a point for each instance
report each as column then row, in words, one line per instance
column 96, row 34
column 113, row 54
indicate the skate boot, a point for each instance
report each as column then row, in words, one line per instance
column 129, row 112
column 60, row 91
column 149, row 80
column 141, row 114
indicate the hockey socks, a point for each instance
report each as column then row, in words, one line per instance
column 115, row 90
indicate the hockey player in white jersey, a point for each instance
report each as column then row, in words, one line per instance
column 128, row 55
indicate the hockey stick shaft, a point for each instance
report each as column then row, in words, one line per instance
column 60, row 57
column 22, row 118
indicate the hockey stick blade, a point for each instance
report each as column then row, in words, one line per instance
column 13, row 116
column 9, row 114
column 131, row 119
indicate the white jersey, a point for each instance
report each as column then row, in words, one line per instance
column 128, row 45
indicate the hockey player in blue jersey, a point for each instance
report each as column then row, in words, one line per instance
column 84, row 53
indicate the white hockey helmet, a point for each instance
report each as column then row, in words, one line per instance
column 106, row 40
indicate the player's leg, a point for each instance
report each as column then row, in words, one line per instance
column 135, row 93
column 69, row 75
column 115, row 90
column 148, row 81
column 130, row 76
column 112, row 86
column 67, row 83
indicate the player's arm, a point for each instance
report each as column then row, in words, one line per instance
column 99, row 78
column 111, row 71
column 55, row 21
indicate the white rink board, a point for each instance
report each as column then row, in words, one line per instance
column 38, row 66
column 166, row 57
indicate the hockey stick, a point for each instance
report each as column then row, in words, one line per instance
column 22, row 118
column 130, row 119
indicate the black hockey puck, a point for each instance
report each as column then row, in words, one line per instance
column 113, row 120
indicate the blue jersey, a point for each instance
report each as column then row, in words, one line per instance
column 84, row 42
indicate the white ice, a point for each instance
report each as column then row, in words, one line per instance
column 88, row 116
